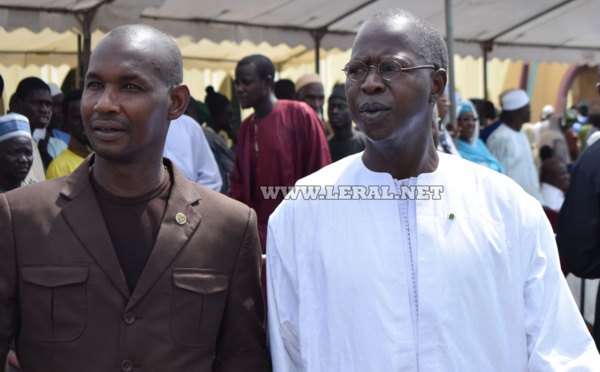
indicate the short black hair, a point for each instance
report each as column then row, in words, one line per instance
column 285, row 89
column 433, row 47
column 264, row 66
column 74, row 95
column 172, row 69
column 28, row 85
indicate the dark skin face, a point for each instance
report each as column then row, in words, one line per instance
column 395, row 115
column 126, row 108
column 338, row 113
column 313, row 95
column 74, row 122
column 16, row 157
column 466, row 125
column 519, row 117
column 37, row 107
column 57, row 113
column 252, row 91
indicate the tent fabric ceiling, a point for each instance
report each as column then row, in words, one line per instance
column 533, row 30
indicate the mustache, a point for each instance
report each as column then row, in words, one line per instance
column 110, row 117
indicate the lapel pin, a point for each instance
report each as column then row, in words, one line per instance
column 180, row 218
column 451, row 216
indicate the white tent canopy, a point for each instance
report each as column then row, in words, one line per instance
column 532, row 30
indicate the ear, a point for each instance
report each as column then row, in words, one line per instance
column 439, row 80
column 269, row 83
column 180, row 96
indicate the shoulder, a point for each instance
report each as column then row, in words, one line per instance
column 332, row 173
column 294, row 108
column 214, row 205
column 35, row 197
column 494, row 194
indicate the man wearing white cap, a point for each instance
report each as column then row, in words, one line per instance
column 16, row 151
column 57, row 120
column 309, row 89
column 510, row 145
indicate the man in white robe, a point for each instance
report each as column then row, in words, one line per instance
column 403, row 259
column 510, row 145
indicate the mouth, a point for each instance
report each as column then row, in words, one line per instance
column 373, row 111
column 44, row 119
column 107, row 130
column 21, row 171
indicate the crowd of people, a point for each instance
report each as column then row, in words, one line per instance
column 134, row 218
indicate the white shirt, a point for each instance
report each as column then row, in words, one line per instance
column 188, row 149
column 553, row 196
column 513, row 151
column 490, row 293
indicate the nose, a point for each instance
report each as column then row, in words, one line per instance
column 46, row 108
column 23, row 158
column 373, row 83
column 107, row 101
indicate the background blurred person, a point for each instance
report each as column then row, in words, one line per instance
column 79, row 145
column 578, row 232
column 509, row 145
column 345, row 140
column 32, row 99
column 221, row 117
column 469, row 145
column 16, row 152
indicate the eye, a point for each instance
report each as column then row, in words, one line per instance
column 390, row 70
column 389, row 67
column 130, row 86
column 356, row 68
column 93, row 85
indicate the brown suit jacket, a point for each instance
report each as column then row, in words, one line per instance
column 198, row 305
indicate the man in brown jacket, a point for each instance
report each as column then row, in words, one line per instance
column 125, row 265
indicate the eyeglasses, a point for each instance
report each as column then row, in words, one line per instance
column 388, row 69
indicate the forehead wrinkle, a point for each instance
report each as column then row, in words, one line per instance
column 394, row 27
column 138, row 47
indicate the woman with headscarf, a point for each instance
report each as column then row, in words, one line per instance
column 469, row 145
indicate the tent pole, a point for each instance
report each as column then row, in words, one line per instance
column 450, row 43
column 317, row 35
column 87, row 41
column 79, row 75
column 486, row 47
column 485, row 74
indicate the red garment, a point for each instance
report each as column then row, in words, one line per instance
column 291, row 145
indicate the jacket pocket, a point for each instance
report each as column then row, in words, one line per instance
column 53, row 301
column 197, row 305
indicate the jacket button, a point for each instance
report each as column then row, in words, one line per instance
column 129, row 318
column 127, row 365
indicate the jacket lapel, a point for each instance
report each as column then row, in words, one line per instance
column 181, row 219
column 84, row 217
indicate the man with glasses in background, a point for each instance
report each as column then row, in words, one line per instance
column 408, row 259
